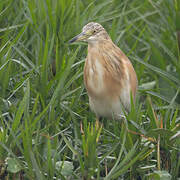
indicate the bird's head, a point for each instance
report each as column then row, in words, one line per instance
column 91, row 32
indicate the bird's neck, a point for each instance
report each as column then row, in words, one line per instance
column 93, row 44
column 98, row 45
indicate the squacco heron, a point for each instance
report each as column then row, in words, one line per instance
column 109, row 76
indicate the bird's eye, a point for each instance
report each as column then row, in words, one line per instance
column 94, row 31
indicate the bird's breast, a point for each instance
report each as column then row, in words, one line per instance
column 94, row 77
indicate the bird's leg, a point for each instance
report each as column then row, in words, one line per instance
column 81, row 128
column 97, row 122
column 98, row 128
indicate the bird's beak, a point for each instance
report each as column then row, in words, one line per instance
column 80, row 37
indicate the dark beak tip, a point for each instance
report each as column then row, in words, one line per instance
column 72, row 40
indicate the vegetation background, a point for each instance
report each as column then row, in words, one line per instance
column 43, row 100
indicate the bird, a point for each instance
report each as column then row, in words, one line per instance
column 109, row 77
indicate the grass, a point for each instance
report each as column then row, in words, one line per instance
column 43, row 100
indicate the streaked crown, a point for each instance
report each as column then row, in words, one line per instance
column 93, row 27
